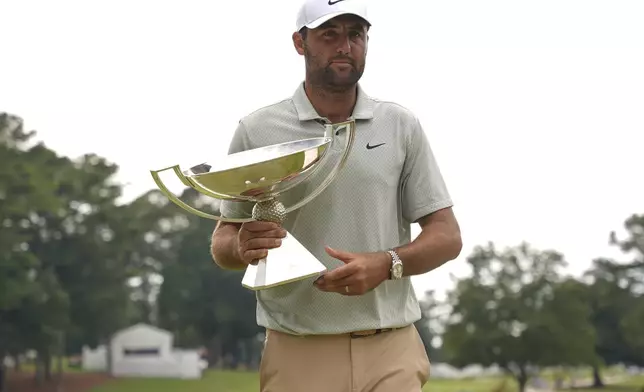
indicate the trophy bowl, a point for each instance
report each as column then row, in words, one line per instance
column 261, row 176
column 260, row 173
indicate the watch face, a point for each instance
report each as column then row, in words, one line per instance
column 397, row 270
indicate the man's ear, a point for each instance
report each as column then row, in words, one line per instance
column 298, row 43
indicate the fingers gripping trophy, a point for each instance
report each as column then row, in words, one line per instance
column 265, row 176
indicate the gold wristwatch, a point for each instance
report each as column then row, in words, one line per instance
column 396, row 271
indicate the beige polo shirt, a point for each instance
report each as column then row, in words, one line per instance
column 391, row 179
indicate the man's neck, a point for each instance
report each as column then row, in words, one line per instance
column 337, row 106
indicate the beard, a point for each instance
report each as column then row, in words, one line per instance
column 323, row 75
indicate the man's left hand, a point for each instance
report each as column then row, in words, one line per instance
column 361, row 273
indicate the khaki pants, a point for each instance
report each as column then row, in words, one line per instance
column 393, row 361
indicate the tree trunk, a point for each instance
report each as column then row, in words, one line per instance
column 108, row 352
column 597, row 378
column 39, row 370
column 523, row 382
column 47, row 365
column 3, row 370
column 59, row 362
column 215, row 352
column 522, row 379
column 59, row 374
column 2, row 375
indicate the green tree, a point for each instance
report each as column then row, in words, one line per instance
column 611, row 301
column 149, row 243
column 633, row 246
column 632, row 328
column 200, row 302
column 63, row 266
column 518, row 312
column 429, row 325
column 616, row 292
column 32, row 303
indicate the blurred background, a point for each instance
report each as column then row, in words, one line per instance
column 535, row 111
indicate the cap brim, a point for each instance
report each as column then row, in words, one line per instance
column 319, row 21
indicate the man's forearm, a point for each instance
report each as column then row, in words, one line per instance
column 439, row 242
column 223, row 247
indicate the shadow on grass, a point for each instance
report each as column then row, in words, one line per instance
column 610, row 388
column 24, row 381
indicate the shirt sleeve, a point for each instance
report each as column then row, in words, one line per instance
column 423, row 188
column 237, row 209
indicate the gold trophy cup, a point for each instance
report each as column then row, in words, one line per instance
column 261, row 176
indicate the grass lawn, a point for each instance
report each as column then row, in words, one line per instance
column 635, row 384
column 248, row 382
column 211, row 381
column 487, row 384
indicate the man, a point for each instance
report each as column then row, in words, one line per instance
column 352, row 329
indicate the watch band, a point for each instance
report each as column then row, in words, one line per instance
column 394, row 256
column 395, row 261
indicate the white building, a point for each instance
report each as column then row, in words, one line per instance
column 144, row 351
column 446, row 371
column 94, row 360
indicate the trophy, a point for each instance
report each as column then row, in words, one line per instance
column 264, row 176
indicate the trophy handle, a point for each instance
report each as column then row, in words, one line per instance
column 173, row 198
column 331, row 129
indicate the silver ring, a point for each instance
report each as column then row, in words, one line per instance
column 346, row 289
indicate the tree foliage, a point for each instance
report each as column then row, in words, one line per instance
column 429, row 325
column 519, row 313
column 201, row 302
column 616, row 294
column 76, row 265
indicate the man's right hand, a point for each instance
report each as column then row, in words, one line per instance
column 256, row 238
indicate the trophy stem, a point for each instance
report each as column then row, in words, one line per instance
column 269, row 210
column 292, row 262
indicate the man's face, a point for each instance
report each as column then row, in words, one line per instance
column 335, row 52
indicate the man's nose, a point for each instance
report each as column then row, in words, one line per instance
column 345, row 46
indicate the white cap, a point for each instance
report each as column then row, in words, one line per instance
column 315, row 12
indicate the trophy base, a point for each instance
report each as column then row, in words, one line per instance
column 290, row 262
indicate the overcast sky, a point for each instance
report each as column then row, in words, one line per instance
column 535, row 109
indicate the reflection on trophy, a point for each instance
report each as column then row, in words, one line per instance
column 265, row 176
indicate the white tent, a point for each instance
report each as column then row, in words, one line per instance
column 144, row 351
